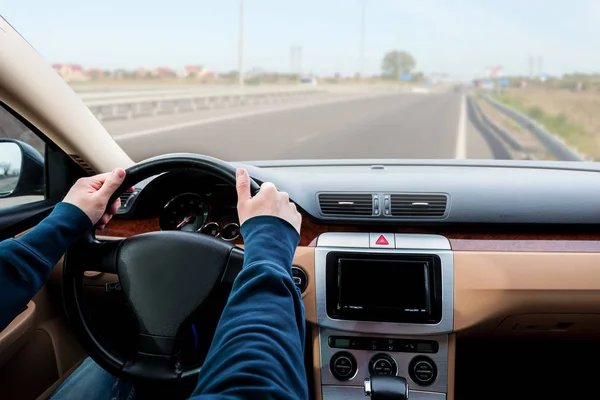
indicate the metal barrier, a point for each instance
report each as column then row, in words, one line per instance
column 149, row 104
column 127, row 105
column 551, row 142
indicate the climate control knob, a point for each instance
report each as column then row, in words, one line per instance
column 383, row 365
column 343, row 366
column 422, row 370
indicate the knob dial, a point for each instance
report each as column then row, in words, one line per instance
column 383, row 365
column 422, row 370
column 343, row 366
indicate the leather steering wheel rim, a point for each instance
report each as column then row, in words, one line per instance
column 132, row 258
column 180, row 161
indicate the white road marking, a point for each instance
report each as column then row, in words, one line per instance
column 461, row 132
column 221, row 118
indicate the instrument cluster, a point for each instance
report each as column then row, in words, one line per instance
column 193, row 212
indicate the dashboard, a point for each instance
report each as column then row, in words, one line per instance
column 396, row 261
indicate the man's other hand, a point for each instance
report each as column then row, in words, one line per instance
column 91, row 196
column 268, row 201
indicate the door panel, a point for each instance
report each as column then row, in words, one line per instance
column 12, row 338
column 38, row 349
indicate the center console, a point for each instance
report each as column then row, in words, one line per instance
column 384, row 305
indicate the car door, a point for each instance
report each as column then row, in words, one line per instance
column 37, row 348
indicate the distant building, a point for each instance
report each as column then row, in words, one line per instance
column 164, row 72
column 70, row 72
column 191, row 71
column 95, row 73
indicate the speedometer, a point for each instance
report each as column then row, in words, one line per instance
column 186, row 212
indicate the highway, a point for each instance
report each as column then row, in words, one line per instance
column 377, row 125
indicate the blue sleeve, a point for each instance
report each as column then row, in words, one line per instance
column 258, row 347
column 26, row 262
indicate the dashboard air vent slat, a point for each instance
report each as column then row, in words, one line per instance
column 418, row 205
column 350, row 204
column 124, row 198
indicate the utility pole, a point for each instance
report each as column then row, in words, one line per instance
column 241, row 47
column 296, row 60
column 300, row 60
column 539, row 67
column 531, row 67
column 362, row 38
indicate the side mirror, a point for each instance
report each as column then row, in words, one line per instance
column 21, row 169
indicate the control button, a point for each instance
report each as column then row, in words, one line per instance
column 422, row 370
column 113, row 287
column 300, row 278
column 343, row 366
column 382, row 240
column 376, row 206
column 382, row 364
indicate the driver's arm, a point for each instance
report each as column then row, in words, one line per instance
column 258, row 347
column 26, row 262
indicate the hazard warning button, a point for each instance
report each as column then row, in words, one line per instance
column 382, row 240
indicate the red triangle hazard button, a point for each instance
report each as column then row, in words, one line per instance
column 382, row 241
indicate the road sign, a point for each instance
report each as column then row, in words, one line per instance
column 406, row 76
column 504, row 82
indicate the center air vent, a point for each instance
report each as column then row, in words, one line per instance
column 124, row 198
column 346, row 203
column 419, row 205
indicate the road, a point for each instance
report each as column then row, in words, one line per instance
column 399, row 125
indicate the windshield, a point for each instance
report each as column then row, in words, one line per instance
column 334, row 79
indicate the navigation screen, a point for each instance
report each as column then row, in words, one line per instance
column 383, row 285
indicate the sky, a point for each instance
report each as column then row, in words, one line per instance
column 10, row 152
column 458, row 37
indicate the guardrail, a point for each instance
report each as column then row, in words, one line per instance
column 551, row 142
column 149, row 104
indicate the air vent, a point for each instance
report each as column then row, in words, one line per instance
column 124, row 198
column 346, row 204
column 419, row 205
column 83, row 164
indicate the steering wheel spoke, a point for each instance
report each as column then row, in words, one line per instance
column 94, row 255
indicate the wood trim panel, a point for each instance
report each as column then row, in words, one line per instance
column 129, row 227
column 460, row 239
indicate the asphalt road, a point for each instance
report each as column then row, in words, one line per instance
column 405, row 125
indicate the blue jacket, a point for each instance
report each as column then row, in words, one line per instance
column 258, row 347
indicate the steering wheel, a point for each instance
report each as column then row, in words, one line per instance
column 165, row 276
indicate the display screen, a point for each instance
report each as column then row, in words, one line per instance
column 371, row 284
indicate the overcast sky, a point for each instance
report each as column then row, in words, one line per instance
column 460, row 37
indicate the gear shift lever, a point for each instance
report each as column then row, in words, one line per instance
column 379, row 387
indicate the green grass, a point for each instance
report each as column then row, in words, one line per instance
column 573, row 134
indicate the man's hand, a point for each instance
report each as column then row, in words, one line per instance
column 267, row 202
column 91, row 196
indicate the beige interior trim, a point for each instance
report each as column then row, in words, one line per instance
column 451, row 365
column 14, row 336
column 305, row 258
column 491, row 286
column 316, row 361
column 30, row 86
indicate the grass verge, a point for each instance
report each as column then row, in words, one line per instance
column 573, row 134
